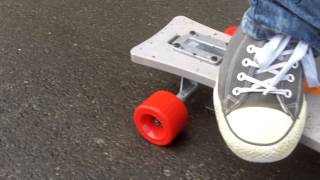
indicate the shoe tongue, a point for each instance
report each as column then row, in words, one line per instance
column 269, row 51
column 259, row 100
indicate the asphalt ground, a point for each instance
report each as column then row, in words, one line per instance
column 68, row 91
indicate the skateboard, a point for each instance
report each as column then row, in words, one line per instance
column 194, row 52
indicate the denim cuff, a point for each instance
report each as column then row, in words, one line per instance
column 265, row 18
column 256, row 30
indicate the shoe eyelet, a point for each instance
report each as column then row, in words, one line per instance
column 241, row 76
column 295, row 65
column 236, row 91
column 291, row 78
column 288, row 94
column 251, row 49
column 245, row 62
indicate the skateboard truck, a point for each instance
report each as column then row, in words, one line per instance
column 187, row 88
column 193, row 52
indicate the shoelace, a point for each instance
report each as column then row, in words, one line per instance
column 275, row 49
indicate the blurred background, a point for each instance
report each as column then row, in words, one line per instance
column 68, row 91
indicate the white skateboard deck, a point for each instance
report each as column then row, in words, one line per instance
column 158, row 53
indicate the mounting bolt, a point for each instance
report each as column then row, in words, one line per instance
column 214, row 58
column 177, row 45
column 192, row 32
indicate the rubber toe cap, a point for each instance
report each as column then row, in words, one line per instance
column 259, row 125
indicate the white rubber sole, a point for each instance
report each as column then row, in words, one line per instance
column 257, row 153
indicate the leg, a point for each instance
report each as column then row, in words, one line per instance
column 297, row 18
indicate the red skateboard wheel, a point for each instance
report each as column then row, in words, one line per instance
column 231, row 30
column 313, row 91
column 161, row 117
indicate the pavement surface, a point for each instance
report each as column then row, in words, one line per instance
column 68, row 90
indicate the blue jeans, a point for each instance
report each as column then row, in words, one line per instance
column 298, row 18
